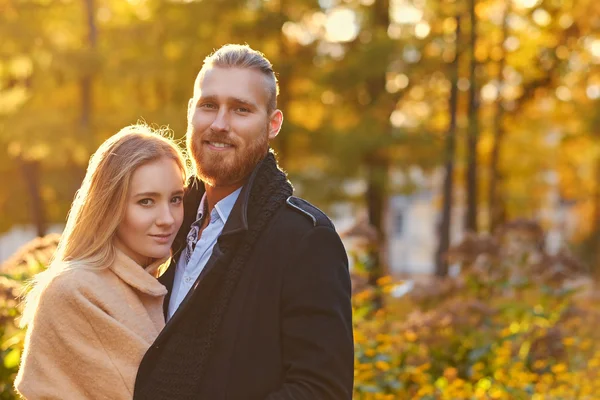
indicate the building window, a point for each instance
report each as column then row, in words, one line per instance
column 399, row 224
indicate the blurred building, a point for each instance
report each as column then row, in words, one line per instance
column 19, row 235
column 411, row 230
column 412, row 222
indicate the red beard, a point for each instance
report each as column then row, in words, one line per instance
column 234, row 166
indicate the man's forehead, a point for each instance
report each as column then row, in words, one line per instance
column 238, row 74
column 231, row 82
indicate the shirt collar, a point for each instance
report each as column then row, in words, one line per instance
column 237, row 221
column 223, row 207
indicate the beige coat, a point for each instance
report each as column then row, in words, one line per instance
column 90, row 332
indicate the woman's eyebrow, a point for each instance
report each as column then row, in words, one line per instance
column 147, row 194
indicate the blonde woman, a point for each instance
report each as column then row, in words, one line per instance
column 95, row 311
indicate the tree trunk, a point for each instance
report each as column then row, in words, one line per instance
column 284, row 87
column 441, row 264
column 31, row 174
column 86, row 89
column 596, row 225
column 378, row 166
column 496, row 206
column 472, row 135
column 376, row 195
column 162, row 93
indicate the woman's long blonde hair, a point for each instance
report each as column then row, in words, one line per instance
column 99, row 205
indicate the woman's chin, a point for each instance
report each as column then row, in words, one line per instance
column 159, row 254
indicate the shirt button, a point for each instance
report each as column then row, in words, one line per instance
column 188, row 279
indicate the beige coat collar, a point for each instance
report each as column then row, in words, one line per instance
column 138, row 277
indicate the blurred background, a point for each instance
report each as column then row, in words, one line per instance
column 455, row 144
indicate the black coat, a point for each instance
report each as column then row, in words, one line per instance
column 270, row 316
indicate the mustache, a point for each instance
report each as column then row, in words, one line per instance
column 210, row 136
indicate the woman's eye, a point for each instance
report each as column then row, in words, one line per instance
column 177, row 200
column 146, row 202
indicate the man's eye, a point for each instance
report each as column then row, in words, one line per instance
column 146, row 202
column 243, row 109
column 208, row 106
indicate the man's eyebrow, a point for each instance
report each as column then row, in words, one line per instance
column 236, row 100
column 209, row 97
column 239, row 100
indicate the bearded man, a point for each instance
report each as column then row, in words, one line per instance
column 259, row 290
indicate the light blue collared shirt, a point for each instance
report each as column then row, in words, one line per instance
column 186, row 273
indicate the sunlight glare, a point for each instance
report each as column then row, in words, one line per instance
column 402, row 12
column 595, row 47
column 526, row 3
column 398, row 118
column 565, row 21
column 563, row 93
column 463, row 84
column 297, row 33
column 511, row 43
column 402, row 81
column 489, row 92
column 396, row 82
column 411, row 54
column 395, row 31
column 422, row 30
column 593, row 92
column 341, row 25
column 542, row 17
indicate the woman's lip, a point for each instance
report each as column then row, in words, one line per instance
column 162, row 238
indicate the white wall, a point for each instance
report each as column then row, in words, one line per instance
column 18, row 236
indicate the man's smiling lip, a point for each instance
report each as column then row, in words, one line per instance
column 218, row 146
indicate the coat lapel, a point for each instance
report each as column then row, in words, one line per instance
column 172, row 323
column 236, row 224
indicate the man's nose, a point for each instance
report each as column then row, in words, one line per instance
column 221, row 121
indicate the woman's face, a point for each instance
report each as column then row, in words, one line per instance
column 154, row 211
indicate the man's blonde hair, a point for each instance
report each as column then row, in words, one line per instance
column 243, row 56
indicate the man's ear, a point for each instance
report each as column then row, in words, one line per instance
column 190, row 110
column 275, row 122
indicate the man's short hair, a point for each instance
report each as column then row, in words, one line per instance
column 243, row 56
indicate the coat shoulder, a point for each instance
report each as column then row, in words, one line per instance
column 312, row 214
column 59, row 296
column 81, row 286
column 68, row 281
